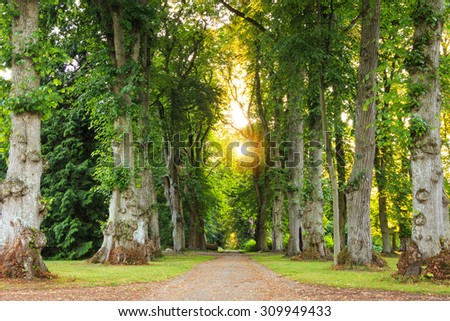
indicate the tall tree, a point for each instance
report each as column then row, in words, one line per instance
column 126, row 233
column 22, row 240
column 359, row 185
column 430, row 231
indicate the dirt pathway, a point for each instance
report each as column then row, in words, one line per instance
column 230, row 277
column 237, row 277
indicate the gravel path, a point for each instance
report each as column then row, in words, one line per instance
column 230, row 277
column 236, row 277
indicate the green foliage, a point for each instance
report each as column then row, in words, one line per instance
column 418, row 126
column 426, row 13
column 45, row 56
column 250, row 246
column 7, row 11
column 41, row 99
column 76, row 207
column 114, row 178
column 4, row 128
column 354, row 181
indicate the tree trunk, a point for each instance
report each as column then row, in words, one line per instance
column 261, row 187
column 341, row 176
column 295, row 167
column 126, row 233
column 148, row 190
column 359, row 185
column 126, row 238
column 331, row 170
column 173, row 195
column 394, row 242
column 278, row 178
column 148, row 202
column 277, row 221
column 260, row 177
column 380, row 176
column 430, row 212
column 197, row 238
column 312, row 220
column 21, row 240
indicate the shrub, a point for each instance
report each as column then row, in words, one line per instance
column 250, row 246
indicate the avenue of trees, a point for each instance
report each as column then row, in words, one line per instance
column 318, row 128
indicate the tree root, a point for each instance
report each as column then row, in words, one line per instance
column 344, row 261
column 410, row 262
column 23, row 259
column 313, row 254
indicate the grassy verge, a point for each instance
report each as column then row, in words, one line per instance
column 80, row 273
column 322, row 273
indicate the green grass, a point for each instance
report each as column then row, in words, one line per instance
column 323, row 273
column 80, row 273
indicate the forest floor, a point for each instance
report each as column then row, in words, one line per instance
column 229, row 277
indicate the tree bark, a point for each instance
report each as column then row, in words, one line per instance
column 197, row 237
column 261, row 183
column 148, row 203
column 277, row 221
column 295, row 169
column 430, row 212
column 341, row 176
column 173, row 196
column 359, row 185
column 380, row 176
column 22, row 241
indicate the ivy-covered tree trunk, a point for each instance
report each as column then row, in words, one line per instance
column 359, row 185
column 313, row 231
column 23, row 212
column 126, row 238
column 295, row 167
column 430, row 211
